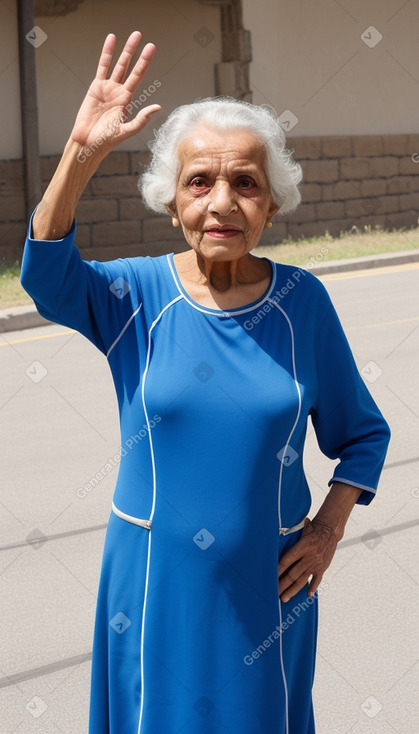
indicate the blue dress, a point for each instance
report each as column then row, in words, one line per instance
column 190, row 635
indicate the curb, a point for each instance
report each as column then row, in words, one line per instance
column 21, row 317
column 365, row 263
column 27, row 317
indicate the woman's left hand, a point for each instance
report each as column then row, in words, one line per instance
column 309, row 557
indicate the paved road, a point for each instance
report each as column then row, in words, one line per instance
column 59, row 428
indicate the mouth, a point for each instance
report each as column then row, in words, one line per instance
column 222, row 232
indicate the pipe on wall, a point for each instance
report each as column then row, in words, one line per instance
column 29, row 105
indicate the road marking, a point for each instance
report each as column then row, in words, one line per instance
column 383, row 323
column 7, row 343
column 365, row 273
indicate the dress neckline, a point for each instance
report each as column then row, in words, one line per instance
column 220, row 311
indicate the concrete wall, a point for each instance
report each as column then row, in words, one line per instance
column 310, row 58
column 186, row 33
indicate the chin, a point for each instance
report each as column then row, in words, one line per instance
column 221, row 253
column 221, row 250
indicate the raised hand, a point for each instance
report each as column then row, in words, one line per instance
column 102, row 121
column 101, row 124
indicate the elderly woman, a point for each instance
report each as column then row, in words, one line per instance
column 222, row 356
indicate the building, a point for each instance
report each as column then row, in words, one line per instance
column 341, row 73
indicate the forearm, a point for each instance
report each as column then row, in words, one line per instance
column 55, row 214
column 337, row 507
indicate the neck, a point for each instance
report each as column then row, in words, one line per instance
column 222, row 275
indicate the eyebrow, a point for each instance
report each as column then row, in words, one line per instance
column 205, row 170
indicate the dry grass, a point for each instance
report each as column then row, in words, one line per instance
column 349, row 244
column 11, row 292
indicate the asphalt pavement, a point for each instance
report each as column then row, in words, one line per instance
column 59, row 428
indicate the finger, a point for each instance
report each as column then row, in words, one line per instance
column 106, row 56
column 137, row 124
column 140, row 69
column 148, row 51
column 314, row 584
column 299, row 572
column 290, row 558
column 121, row 66
column 294, row 588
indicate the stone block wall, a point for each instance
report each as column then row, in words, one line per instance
column 352, row 181
column 362, row 180
column 12, row 210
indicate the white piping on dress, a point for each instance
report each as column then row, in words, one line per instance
column 178, row 298
column 124, row 328
column 145, row 523
column 281, row 655
column 293, row 529
column 294, row 369
column 220, row 311
column 130, row 518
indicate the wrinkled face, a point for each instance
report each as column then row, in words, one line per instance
column 223, row 198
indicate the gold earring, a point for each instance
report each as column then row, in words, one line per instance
column 269, row 225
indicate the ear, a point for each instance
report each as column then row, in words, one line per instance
column 273, row 209
column 171, row 210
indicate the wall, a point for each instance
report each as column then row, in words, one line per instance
column 309, row 58
column 186, row 33
column 350, row 176
column 10, row 138
column 348, row 180
column 353, row 181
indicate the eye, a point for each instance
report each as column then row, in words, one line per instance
column 246, row 183
column 197, row 183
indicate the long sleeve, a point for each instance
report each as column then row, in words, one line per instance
column 347, row 422
column 94, row 298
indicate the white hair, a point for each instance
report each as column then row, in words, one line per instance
column 158, row 183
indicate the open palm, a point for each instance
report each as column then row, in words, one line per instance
column 101, row 121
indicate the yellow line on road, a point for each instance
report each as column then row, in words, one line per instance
column 382, row 323
column 7, row 343
column 364, row 273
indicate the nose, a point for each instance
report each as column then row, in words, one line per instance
column 222, row 199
